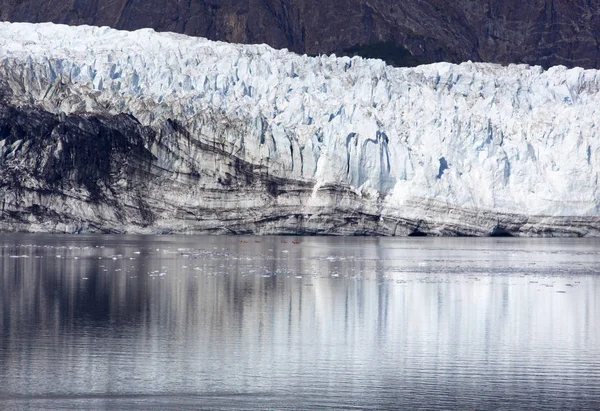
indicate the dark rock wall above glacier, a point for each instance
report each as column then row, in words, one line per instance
column 544, row 32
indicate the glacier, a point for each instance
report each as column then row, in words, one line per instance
column 144, row 132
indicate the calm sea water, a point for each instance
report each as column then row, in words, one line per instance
column 128, row 322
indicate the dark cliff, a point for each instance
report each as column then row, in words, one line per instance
column 544, row 32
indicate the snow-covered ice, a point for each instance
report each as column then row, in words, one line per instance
column 471, row 145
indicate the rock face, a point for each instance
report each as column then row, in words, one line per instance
column 104, row 130
column 540, row 32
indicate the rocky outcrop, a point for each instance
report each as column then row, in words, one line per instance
column 112, row 131
column 545, row 32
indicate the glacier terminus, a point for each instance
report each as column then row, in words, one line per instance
column 142, row 132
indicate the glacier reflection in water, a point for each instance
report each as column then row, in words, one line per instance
column 248, row 322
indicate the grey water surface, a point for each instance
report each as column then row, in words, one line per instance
column 160, row 322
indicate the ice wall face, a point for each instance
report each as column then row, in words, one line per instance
column 251, row 139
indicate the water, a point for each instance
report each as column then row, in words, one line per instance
column 127, row 322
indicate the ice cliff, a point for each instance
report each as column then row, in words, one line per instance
column 106, row 130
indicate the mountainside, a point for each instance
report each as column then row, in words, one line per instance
column 106, row 130
column 541, row 32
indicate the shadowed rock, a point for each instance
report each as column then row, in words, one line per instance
column 547, row 33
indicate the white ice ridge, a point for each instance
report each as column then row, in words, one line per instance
column 513, row 139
